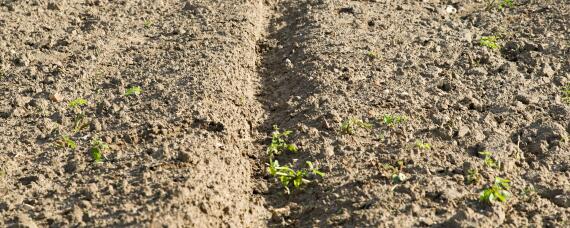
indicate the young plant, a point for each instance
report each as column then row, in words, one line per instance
column 473, row 176
column 279, row 142
column 395, row 174
column 79, row 121
column 97, row 149
column 489, row 160
column 393, row 120
column 77, row 103
column 500, row 4
column 422, row 146
column 497, row 192
column 372, row 55
column 566, row 94
column 135, row 90
column 287, row 176
column 147, row 23
column 349, row 126
column 489, row 42
column 67, row 142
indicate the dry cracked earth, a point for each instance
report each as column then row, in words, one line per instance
column 216, row 75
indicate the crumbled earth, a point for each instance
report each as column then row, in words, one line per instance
column 217, row 75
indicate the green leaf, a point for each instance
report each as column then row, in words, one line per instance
column 96, row 154
column 319, row 173
column 77, row 103
column 292, row 147
column 297, row 182
column 69, row 142
column 135, row 90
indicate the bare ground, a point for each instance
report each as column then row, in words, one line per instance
column 217, row 75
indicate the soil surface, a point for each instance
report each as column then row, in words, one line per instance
column 217, row 75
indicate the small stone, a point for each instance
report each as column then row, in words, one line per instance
column 23, row 220
column 96, row 125
column 53, row 6
column 328, row 150
column 463, row 131
column 547, row 70
column 28, row 180
column 77, row 214
column 450, row 9
column 21, row 101
column 289, row 64
column 184, row 156
column 56, row 97
column 562, row 200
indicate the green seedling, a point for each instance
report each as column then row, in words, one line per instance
column 473, row 176
column 489, row 42
column 77, row 103
column 349, row 126
column 147, row 23
column 497, row 192
column 489, row 160
column 372, row 55
column 67, row 142
column 279, row 142
column 393, row 120
column 395, row 173
column 287, row 176
column 97, row 149
column 566, row 94
column 529, row 191
column 499, row 4
column 79, row 121
column 399, row 177
column 135, row 90
column 422, row 146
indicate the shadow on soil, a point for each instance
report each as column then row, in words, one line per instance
column 284, row 78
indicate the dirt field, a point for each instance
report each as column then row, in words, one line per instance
column 215, row 75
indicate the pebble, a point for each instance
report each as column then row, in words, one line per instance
column 56, row 97
column 547, row 70
column 463, row 131
column 450, row 9
column 184, row 156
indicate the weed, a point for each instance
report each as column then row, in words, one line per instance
column 67, row 142
column 566, row 94
column 97, row 149
column 565, row 139
column 279, row 142
column 350, row 125
column 489, row 42
column 473, row 176
column 500, row 4
column 497, row 192
column 79, row 121
column 135, row 90
column 489, row 160
column 147, row 23
column 372, row 55
column 394, row 173
column 399, row 177
column 422, row 146
column 393, row 120
column 286, row 175
column 77, row 103
column 529, row 192
column 380, row 136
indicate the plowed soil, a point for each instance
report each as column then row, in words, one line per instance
column 217, row 75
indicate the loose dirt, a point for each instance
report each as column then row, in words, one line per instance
column 217, row 75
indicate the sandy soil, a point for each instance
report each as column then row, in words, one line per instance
column 216, row 75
